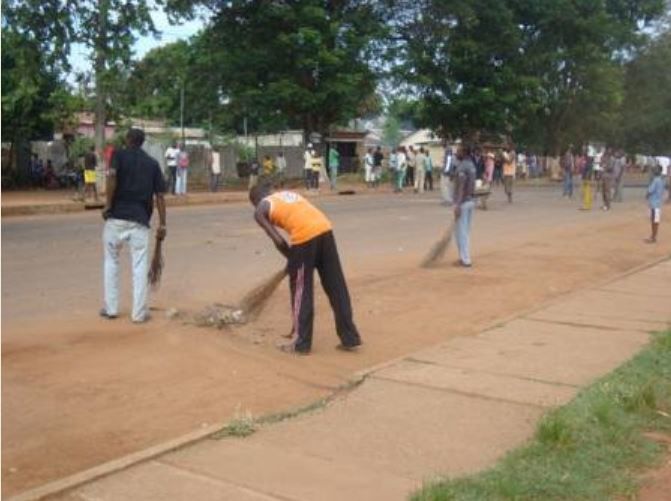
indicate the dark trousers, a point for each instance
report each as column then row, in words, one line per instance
column 320, row 253
column 410, row 176
column 214, row 182
column 606, row 187
column 428, row 181
column 172, row 179
column 314, row 176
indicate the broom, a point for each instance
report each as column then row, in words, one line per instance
column 438, row 250
column 157, row 262
column 254, row 301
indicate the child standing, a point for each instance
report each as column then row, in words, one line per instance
column 655, row 198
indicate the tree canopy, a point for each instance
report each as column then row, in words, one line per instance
column 646, row 120
column 543, row 72
column 307, row 64
column 27, row 87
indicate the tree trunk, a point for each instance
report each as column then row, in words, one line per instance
column 101, row 90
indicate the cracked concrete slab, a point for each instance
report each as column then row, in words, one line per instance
column 479, row 383
column 287, row 473
column 588, row 319
column 621, row 305
column 546, row 352
column 405, row 431
column 154, row 481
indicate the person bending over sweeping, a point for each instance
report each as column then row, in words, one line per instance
column 312, row 245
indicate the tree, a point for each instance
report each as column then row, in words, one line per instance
column 27, row 87
column 391, row 131
column 647, row 101
column 304, row 64
column 108, row 28
column 154, row 85
column 460, row 57
column 546, row 72
column 574, row 50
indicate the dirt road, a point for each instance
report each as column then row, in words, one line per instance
column 78, row 391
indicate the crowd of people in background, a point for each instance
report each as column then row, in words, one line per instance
column 585, row 172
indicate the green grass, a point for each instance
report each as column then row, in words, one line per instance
column 593, row 448
column 241, row 426
column 244, row 424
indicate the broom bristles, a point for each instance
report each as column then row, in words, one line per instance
column 156, row 268
column 254, row 301
column 438, row 250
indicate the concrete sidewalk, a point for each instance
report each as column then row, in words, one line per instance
column 450, row 409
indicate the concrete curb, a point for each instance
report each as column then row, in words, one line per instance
column 110, row 467
column 71, row 207
column 116, row 465
column 364, row 373
column 194, row 200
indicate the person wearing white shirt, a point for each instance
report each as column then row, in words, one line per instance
column 368, row 167
column 281, row 164
column 215, row 170
column 665, row 164
column 307, row 166
column 401, row 168
column 446, row 177
column 171, row 156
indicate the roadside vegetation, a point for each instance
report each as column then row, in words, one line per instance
column 592, row 448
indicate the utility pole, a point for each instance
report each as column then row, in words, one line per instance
column 181, row 113
column 101, row 90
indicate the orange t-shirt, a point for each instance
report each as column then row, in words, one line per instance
column 298, row 217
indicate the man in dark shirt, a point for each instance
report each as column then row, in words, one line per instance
column 464, row 204
column 134, row 180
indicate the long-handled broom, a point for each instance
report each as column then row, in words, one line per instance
column 439, row 248
column 254, row 301
column 157, row 263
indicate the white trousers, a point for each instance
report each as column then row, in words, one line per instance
column 180, row 185
column 420, row 175
column 447, row 189
column 116, row 233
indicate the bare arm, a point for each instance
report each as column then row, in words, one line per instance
column 459, row 189
column 110, row 189
column 262, row 217
column 459, row 185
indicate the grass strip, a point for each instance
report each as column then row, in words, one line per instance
column 244, row 425
column 592, row 448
